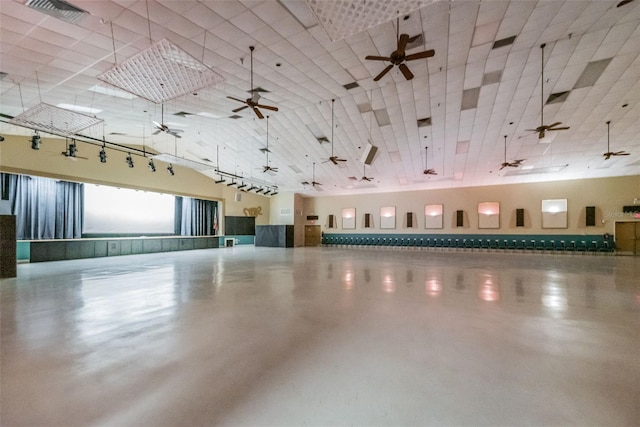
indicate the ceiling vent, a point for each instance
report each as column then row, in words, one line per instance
column 503, row 42
column 350, row 86
column 415, row 41
column 424, row 122
column 556, row 98
column 58, row 9
column 235, row 117
column 592, row 73
column 183, row 114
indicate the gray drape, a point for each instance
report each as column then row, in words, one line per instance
column 195, row 217
column 45, row 208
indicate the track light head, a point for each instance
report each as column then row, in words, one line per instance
column 102, row 155
column 72, row 150
column 35, row 142
column 242, row 186
column 220, row 181
column 129, row 160
column 170, row 170
column 260, row 191
column 253, row 187
column 1, row 138
column 231, row 184
column 152, row 167
column 274, row 193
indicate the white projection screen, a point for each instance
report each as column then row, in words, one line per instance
column 111, row 210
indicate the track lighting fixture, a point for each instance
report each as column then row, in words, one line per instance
column 103, row 155
column 231, row 184
column 266, row 193
column 242, row 186
column 72, row 150
column 129, row 160
column 253, row 187
column 170, row 170
column 274, row 193
column 260, row 191
column 35, row 141
column 152, row 167
column 220, row 181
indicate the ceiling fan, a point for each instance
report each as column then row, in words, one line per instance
column 267, row 167
column 398, row 56
column 364, row 175
column 161, row 127
column 544, row 128
column 333, row 159
column 506, row 164
column 313, row 182
column 254, row 101
column 426, row 170
column 610, row 153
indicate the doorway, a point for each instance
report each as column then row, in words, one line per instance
column 628, row 238
column 312, row 235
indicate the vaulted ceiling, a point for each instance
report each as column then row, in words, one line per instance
column 483, row 82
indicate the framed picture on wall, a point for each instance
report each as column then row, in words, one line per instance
column 348, row 218
column 388, row 217
column 554, row 213
column 433, row 216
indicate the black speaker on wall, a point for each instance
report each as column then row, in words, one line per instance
column 519, row 217
column 591, row 216
column 367, row 220
column 332, row 221
column 459, row 218
column 409, row 219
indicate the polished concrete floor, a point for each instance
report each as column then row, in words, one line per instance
column 250, row 336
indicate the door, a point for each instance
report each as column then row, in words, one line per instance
column 312, row 235
column 628, row 238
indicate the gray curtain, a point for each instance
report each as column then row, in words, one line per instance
column 45, row 208
column 195, row 217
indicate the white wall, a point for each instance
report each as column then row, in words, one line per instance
column 608, row 195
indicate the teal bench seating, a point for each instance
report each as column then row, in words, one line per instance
column 526, row 243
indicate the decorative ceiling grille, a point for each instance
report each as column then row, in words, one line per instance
column 55, row 120
column 161, row 73
column 343, row 18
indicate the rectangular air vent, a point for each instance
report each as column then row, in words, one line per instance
column 503, row 42
column 492, row 77
column 556, row 98
column 350, row 86
column 424, row 122
column 235, row 117
column 58, row 9
column 182, row 114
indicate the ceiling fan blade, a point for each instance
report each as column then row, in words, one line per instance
column 552, row 125
column 420, row 55
column 175, row 134
column 237, row 99
column 402, row 44
column 621, row 153
column 157, row 132
column 377, row 58
column 541, row 134
column 385, row 71
column 341, row 160
column 258, row 113
column 406, row 71
column 239, row 109
column 560, row 128
column 267, row 107
column 333, row 160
